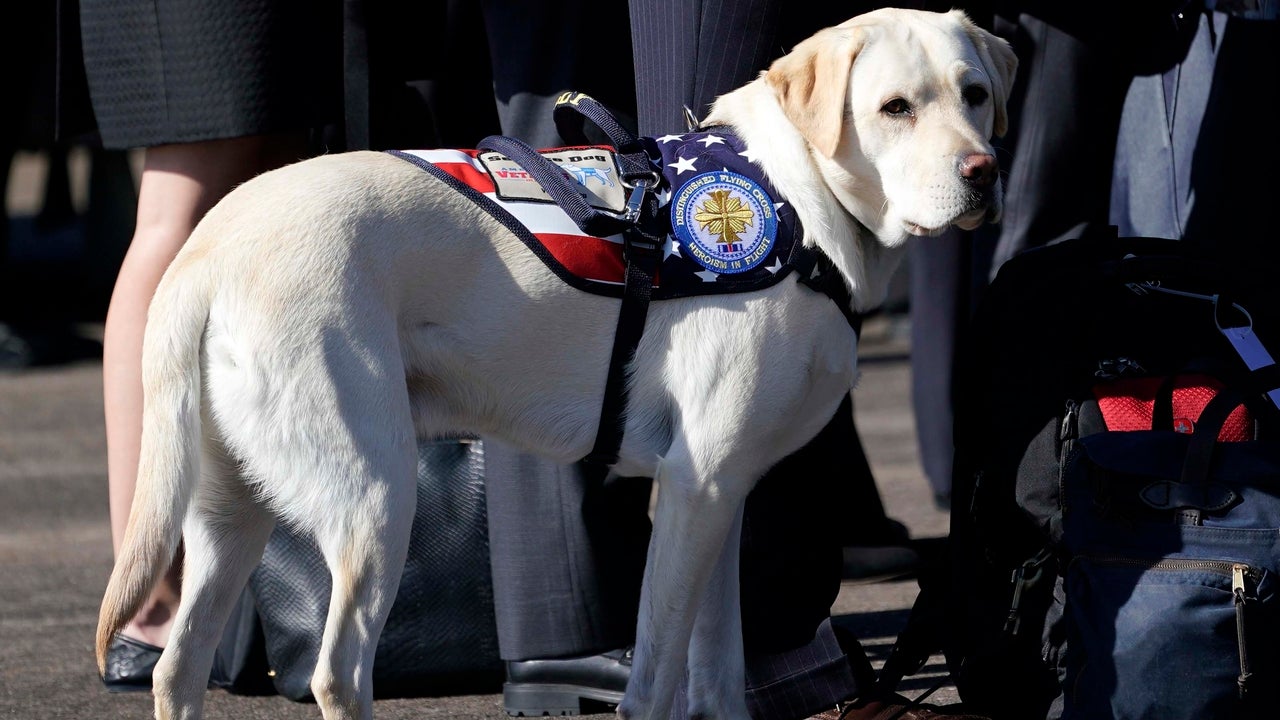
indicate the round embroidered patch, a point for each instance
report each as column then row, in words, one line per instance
column 724, row 221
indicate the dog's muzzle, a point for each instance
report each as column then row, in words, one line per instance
column 981, row 174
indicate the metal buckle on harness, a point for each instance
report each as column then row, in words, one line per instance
column 636, row 242
column 640, row 189
column 638, row 245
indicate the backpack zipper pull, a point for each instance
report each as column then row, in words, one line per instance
column 1028, row 572
column 1067, row 430
column 1013, row 623
column 1238, row 591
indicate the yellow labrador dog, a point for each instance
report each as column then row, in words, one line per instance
column 325, row 315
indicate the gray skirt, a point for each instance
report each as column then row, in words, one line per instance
column 170, row 71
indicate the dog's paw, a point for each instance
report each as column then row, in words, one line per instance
column 626, row 709
column 637, row 710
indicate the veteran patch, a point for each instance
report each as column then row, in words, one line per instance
column 594, row 172
column 724, row 221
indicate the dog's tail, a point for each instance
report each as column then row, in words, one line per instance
column 169, row 463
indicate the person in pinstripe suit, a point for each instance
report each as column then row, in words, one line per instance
column 686, row 53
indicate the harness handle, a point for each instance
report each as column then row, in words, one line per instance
column 573, row 109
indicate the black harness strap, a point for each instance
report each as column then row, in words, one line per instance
column 642, row 255
column 821, row 275
column 641, row 249
column 643, row 235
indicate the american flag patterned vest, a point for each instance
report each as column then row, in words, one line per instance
column 727, row 228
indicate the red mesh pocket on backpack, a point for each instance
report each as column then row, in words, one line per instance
column 1129, row 403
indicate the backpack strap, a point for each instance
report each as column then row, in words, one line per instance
column 1236, row 325
column 918, row 639
column 1195, row 470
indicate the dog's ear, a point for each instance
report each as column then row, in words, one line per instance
column 811, row 82
column 999, row 62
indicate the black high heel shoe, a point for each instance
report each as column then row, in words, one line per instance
column 129, row 665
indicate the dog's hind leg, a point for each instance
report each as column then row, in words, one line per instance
column 694, row 519
column 224, row 534
column 365, row 550
column 365, row 491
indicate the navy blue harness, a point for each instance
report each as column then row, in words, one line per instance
column 700, row 218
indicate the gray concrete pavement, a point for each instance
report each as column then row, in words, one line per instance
column 55, row 549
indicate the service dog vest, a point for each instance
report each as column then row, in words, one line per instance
column 727, row 228
column 721, row 225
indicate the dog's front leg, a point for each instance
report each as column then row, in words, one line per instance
column 694, row 517
column 717, row 686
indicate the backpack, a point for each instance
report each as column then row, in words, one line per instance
column 1115, row 523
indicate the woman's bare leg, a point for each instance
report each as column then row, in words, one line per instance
column 179, row 184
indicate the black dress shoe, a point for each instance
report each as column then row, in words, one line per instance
column 879, row 563
column 879, row 550
column 129, row 665
column 566, row 686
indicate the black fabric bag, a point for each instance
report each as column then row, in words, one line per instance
column 440, row 637
column 1056, row 324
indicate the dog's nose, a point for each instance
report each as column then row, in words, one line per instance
column 979, row 170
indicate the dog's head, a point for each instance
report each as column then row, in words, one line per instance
column 898, row 108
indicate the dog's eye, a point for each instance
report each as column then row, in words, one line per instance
column 975, row 95
column 896, row 106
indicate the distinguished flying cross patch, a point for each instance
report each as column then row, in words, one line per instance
column 725, row 221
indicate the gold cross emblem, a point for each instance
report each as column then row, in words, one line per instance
column 725, row 215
